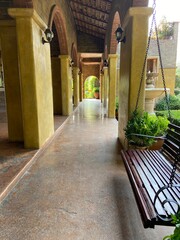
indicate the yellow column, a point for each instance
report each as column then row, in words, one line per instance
column 36, row 78
column 112, row 84
column 12, row 79
column 76, row 85
column 66, row 85
column 56, row 80
column 102, row 87
column 81, row 87
column 131, row 64
column 106, row 89
column 140, row 17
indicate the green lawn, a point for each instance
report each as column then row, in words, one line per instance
column 175, row 114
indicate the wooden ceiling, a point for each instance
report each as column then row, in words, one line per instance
column 91, row 16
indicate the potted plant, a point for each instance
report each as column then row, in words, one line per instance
column 143, row 128
column 116, row 108
column 96, row 92
column 176, row 233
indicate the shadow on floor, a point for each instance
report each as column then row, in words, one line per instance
column 13, row 156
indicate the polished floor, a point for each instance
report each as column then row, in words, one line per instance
column 77, row 189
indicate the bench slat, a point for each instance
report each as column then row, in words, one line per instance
column 152, row 185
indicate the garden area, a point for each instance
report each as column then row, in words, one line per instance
column 91, row 87
column 174, row 103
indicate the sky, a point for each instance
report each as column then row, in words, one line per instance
column 171, row 10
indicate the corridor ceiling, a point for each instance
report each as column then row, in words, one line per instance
column 91, row 16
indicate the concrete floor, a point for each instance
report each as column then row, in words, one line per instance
column 77, row 189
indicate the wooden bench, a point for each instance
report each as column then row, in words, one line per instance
column 149, row 173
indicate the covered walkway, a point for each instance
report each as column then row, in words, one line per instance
column 77, row 189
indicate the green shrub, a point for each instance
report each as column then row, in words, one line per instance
column 175, row 116
column 174, row 103
column 177, row 82
column 177, row 92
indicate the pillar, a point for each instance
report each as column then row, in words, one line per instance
column 76, row 85
column 106, row 89
column 140, row 18
column 131, row 64
column 12, row 80
column 112, row 84
column 56, row 80
column 81, row 87
column 36, row 77
column 102, row 87
column 66, row 85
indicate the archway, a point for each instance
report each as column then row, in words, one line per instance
column 58, row 47
column 91, row 87
column 56, row 73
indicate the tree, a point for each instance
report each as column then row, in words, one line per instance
column 165, row 29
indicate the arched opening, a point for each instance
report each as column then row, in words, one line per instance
column 91, row 87
column 56, row 73
column 3, row 118
column 115, row 48
column 113, row 42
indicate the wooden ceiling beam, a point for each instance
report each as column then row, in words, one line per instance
column 91, row 32
column 83, row 17
column 91, row 24
column 94, row 30
column 90, row 7
column 97, row 19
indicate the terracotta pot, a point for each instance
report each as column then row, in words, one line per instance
column 157, row 145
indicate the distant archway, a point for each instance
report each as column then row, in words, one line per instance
column 91, row 87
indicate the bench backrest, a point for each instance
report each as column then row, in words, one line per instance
column 171, row 146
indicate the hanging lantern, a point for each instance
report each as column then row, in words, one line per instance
column 119, row 35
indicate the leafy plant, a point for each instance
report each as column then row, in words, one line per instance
column 96, row 89
column 176, row 234
column 142, row 127
column 175, row 116
column 117, row 103
column 174, row 103
column 165, row 29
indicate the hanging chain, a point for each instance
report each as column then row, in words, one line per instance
column 146, row 54
column 160, row 58
column 162, row 70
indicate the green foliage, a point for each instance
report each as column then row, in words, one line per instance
column 176, row 234
column 96, row 89
column 90, row 85
column 177, row 92
column 175, row 116
column 165, row 29
column 174, row 103
column 145, row 124
column 117, row 103
column 177, row 83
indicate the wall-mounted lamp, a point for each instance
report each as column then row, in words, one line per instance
column 71, row 63
column 105, row 63
column 48, row 36
column 119, row 35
